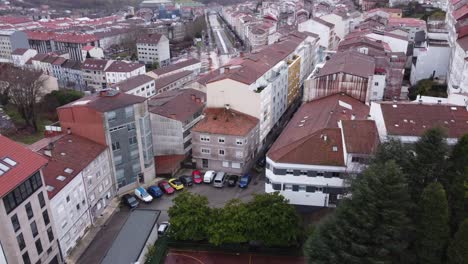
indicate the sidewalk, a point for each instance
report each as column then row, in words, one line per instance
column 81, row 246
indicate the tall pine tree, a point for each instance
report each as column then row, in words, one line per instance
column 433, row 225
column 458, row 250
column 370, row 227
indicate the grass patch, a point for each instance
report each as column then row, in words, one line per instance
column 24, row 135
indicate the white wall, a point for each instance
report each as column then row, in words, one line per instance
column 396, row 44
column 433, row 59
column 316, row 28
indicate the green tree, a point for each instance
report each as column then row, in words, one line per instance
column 58, row 98
column 272, row 220
column 456, row 182
column 458, row 250
column 228, row 224
column 430, row 163
column 433, row 225
column 190, row 215
column 370, row 227
column 396, row 151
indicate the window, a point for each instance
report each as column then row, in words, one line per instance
column 355, row 159
column 134, row 154
column 226, row 164
column 302, row 188
column 205, row 138
column 221, row 140
column 22, row 192
column 40, row 196
column 335, row 174
column 15, row 222
column 50, row 234
column 45, row 216
column 295, row 188
column 29, row 210
column 287, row 187
column 205, row 163
column 131, row 127
column 115, row 145
column 239, row 142
column 128, row 111
column 205, row 150
column 78, row 207
column 310, row 188
column 132, row 140
column 236, row 165
column 68, row 198
column 221, row 152
column 34, row 229
column 136, row 168
column 39, row 246
column 320, row 173
column 276, row 186
column 21, row 243
column 376, row 83
column 111, row 116
column 26, row 259
column 118, row 159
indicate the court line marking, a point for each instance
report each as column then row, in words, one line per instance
column 188, row 256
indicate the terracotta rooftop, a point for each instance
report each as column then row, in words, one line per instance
column 122, row 66
column 133, row 82
column 406, row 21
column 303, row 141
column 180, row 105
column 360, row 136
column 463, row 42
column 225, row 122
column 175, row 66
column 409, row 119
column 19, row 51
column 350, row 62
column 69, row 152
column 103, row 103
column 149, row 39
column 166, row 80
column 94, row 64
column 27, row 163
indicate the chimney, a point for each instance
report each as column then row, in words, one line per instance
column 353, row 116
column 226, row 69
column 48, row 153
column 325, row 138
column 227, row 106
column 68, row 131
column 193, row 97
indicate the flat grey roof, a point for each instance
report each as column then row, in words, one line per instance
column 132, row 238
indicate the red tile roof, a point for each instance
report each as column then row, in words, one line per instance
column 149, row 39
column 180, row 105
column 460, row 12
column 74, row 38
column 360, row 136
column 94, row 64
column 133, row 82
column 409, row 119
column 311, row 121
column 463, row 42
column 70, row 151
column 176, row 66
column 225, row 122
column 40, row 35
column 406, row 21
column 166, row 80
column 350, row 62
column 122, row 66
column 19, row 51
column 27, row 161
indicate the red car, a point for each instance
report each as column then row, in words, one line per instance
column 197, row 177
column 164, row 185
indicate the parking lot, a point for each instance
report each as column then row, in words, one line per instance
column 217, row 197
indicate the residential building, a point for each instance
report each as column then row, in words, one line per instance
column 11, row 40
column 120, row 121
column 257, row 84
column 27, row 227
column 411, row 25
column 94, row 74
column 72, row 76
column 141, row 85
column 328, row 39
column 79, row 178
column 153, row 48
column 324, row 145
column 21, row 56
column 118, row 71
column 173, row 81
column 192, row 64
column 173, row 115
column 225, row 140
column 408, row 121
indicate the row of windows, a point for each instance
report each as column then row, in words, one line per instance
column 22, row 192
column 309, row 173
column 22, row 245
column 221, row 152
column 222, row 140
column 305, row 188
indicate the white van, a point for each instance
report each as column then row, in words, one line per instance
column 209, row 176
column 219, row 179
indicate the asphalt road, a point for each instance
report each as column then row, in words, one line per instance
column 220, row 36
column 217, row 197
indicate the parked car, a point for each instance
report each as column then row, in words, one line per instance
column 219, row 179
column 164, row 185
column 176, row 184
column 244, row 181
column 155, row 191
column 130, row 201
column 232, row 180
column 209, row 176
column 163, row 228
column 186, row 180
column 143, row 195
column 196, row 177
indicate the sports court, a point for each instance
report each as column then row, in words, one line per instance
column 210, row 257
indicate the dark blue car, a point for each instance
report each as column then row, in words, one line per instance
column 244, row 181
column 155, row 191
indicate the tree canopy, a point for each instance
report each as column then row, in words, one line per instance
column 458, row 250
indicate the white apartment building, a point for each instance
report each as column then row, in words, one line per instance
column 141, row 85
column 257, row 84
column 153, row 48
column 21, row 56
column 323, row 146
column 9, row 41
column 119, row 71
column 325, row 30
column 79, row 184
